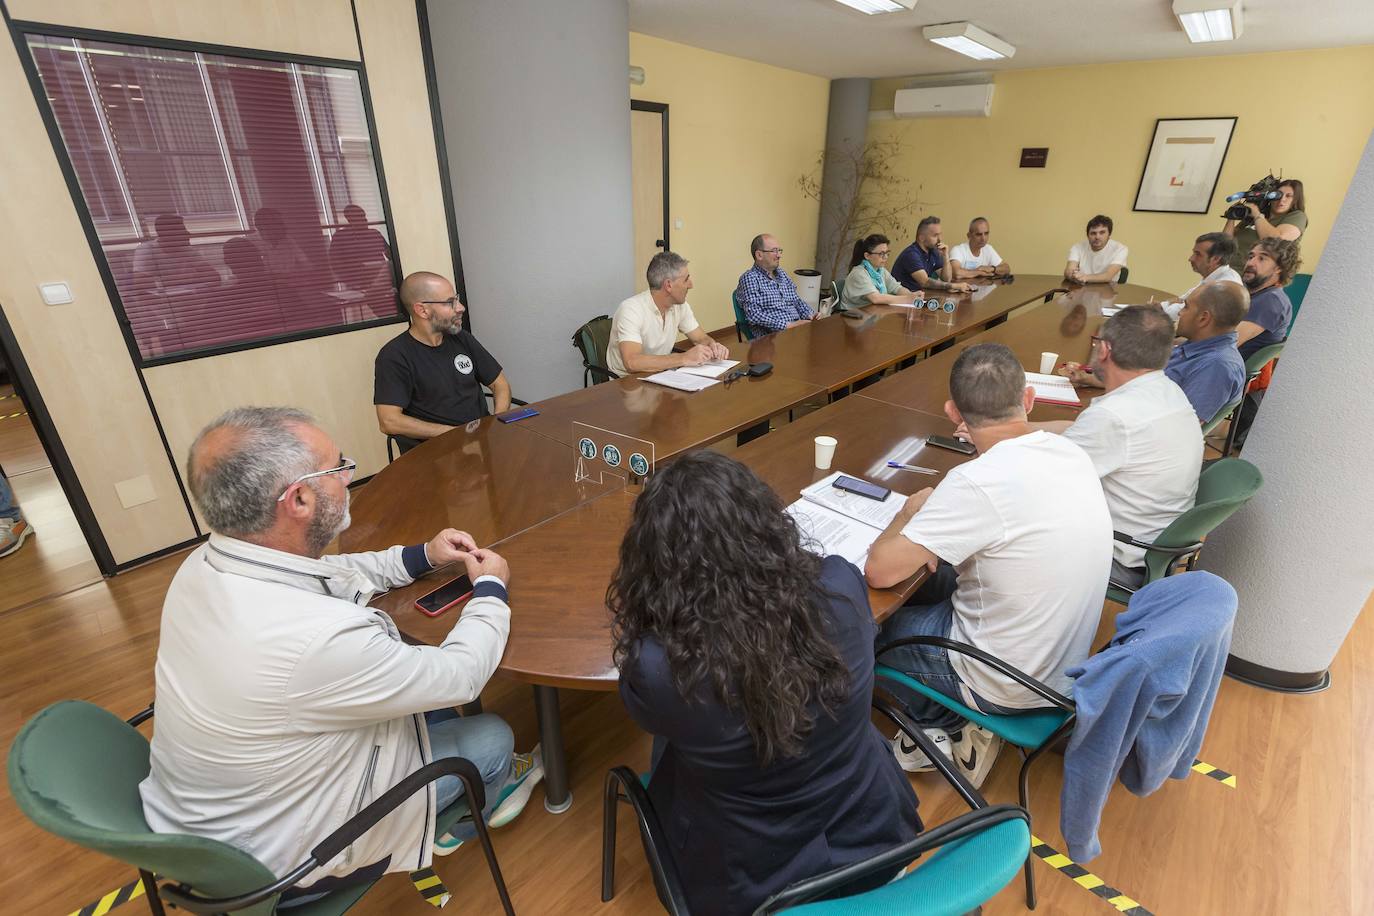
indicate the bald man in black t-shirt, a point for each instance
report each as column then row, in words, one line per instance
column 429, row 379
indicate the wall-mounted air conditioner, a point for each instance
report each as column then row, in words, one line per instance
column 968, row 101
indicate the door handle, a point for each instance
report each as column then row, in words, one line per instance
column 660, row 243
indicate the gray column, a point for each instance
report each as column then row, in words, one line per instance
column 846, row 131
column 1300, row 554
column 536, row 104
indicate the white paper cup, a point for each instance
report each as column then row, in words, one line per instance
column 1047, row 361
column 825, row 451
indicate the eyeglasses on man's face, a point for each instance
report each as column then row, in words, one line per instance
column 773, row 251
column 452, row 302
column 345, row 470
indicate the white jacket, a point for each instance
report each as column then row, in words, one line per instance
column 285, row 705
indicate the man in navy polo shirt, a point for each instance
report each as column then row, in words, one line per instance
column 429, row 379
column 1208, row 367
column 924, row 264
column 1268, row 269
column 765, row 292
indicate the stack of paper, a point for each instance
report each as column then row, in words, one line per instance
column 681, row 380
column 1053, row 389
column 714, row 369
column 837, row 522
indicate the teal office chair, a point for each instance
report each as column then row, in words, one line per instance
column 743, row 329
column 1225, row 486
column 1254, row 365
column 74, row 770
column 1297, row 291
column 1221, row 414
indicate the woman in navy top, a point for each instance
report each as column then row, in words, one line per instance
column 751, row 662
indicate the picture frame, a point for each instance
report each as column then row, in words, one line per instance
column 1183, row 164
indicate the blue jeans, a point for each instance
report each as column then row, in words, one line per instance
column 486, row 740
column 8, row 507
column 930, row 612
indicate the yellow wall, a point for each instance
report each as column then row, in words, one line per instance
column 76, row 352
column 740, row 134
column 1308, row 113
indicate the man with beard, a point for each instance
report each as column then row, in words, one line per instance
column 1268, row 269
column 284, row 703
column 429, row 379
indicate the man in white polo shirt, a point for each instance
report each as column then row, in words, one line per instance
column 646, row 325
column 1142, row 434
column 976, row 258
column 1019, row 544
column 1210, row 259
column 1099, row 258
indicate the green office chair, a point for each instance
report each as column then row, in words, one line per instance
column 1222, row 414
column 1125, row 273
column 591, row 340
column 1297, row 291
column 74, row 770
column 1254, row 365
column 743, row 329
column 836, row 287
column 1225, row 486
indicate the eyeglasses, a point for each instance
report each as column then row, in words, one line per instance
column 772, row 251
column 879, row 254
column 452, row 302
column 346, row 467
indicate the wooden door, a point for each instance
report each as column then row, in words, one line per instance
column 649, row 178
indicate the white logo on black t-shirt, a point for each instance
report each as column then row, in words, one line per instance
column 463, row 363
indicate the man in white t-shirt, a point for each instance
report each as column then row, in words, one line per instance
column 1019, row 544
column 1142, row 435
column 1099, row 258
column 976, row 258
column 646, row 325
column 1210, row 260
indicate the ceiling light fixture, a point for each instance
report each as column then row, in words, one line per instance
column 969, row 40
column 1209, row 20
column 880, row 6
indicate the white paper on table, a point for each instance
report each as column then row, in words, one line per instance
column 1110, row 310
column 859, row 508
column 1053, row 389
column 682, row 381
column 714, row 369
column 826, row 532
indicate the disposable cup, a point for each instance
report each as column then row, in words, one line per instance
column 1047, row 361
column 825, row 451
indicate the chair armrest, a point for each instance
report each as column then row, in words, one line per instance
column 663, row 868
column 595, row 370
column 898, row 856
column 341, row 839
column 1172, row 551
column 514, row 400
column 143, row 715
column 996, row 664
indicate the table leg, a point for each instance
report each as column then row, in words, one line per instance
column 557, row 794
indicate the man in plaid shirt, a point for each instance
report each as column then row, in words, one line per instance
column 766, row 293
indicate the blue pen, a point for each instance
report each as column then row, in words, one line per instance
column 911, row 467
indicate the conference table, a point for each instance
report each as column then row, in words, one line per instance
column 515, row 487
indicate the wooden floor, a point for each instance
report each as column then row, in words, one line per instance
column 1289, row 839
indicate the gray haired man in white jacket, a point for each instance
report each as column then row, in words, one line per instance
column 284, row 703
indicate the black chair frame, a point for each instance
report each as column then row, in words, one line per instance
column 181, row 895
column 946, row 767
column 1177, row 554
column 393, row 444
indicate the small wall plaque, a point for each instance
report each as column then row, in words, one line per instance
column 1033, row 157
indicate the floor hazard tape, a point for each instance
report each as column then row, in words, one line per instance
column 11, row 416
column 1084, row 878
column 430, row 887
column 1221, row 776
column 131, row 891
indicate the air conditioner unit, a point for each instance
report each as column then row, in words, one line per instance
column 968, row 101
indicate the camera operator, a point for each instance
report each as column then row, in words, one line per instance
column 1286, row 220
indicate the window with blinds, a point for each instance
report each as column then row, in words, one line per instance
column 236, row 199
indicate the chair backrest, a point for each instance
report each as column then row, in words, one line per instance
column 74, row 770
column 1260, row 358
column 1297, row 291
column 592, row 339
column 1225, row 486
column 1121, row 277
column 741, row 322
column 1221, row 414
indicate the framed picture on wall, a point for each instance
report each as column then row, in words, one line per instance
column 1183, row 164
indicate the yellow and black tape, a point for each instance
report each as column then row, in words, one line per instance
column 430, row 887
column 131, row 891
column 11, row 416
column 1084, row 878
column 1221, row 776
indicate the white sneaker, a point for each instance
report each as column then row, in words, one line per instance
column 975, row 751
column 910, row 756
column 527, row 771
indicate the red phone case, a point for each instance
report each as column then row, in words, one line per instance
column 456, row 601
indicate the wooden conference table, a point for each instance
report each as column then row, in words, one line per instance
column 513, row 486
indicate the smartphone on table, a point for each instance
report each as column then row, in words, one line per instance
column 861, row 487
column 444, row 597
column 962, row 446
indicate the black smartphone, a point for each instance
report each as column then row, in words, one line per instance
column 757, row 369
column 962, row 446
column 445, row 597
column 861, row 487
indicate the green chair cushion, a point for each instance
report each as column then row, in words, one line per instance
column 1027, row 729
column 956, row 879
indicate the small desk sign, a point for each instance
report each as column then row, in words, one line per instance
column 1033, row 157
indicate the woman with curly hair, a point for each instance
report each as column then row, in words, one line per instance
column 751, row 662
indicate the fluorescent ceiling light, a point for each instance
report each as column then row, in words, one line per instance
column 880, row 6
column 968, row 40
column 1209, row 20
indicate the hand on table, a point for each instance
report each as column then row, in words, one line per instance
column 699, row 354
column 483, row 562
column 719, row 350
column 1079, row 375
column 960, row 287
column 448, row 546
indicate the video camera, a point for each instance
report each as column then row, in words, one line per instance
column 1262, row 193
